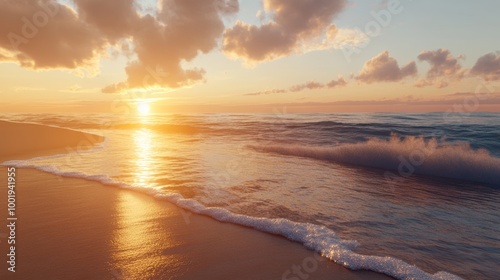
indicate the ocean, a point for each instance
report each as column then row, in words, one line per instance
column 414, row 196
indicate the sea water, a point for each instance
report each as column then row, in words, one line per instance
column 414, row 196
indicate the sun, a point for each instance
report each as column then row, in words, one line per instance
column 143, row 109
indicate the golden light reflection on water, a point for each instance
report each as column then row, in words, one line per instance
column 144, row 176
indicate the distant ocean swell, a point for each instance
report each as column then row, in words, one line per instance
column 404, row 156
column 316, row 237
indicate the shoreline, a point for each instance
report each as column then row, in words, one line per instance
column 80, row 229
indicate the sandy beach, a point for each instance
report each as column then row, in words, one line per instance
column 71, row 228
column 26, row 140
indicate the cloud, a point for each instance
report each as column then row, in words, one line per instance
column 444, row 68
column 310, row 85
column 266, row 92
column 44, row 34
column 292, row 23
column 383, row 68
column 345, row 38
column 75, row 89
column 340, row 82
column 115, row 19
column 442, row 63
column 439, row 83
column 179, row 32
column 487, row 66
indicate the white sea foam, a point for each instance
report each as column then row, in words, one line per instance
column 315, row 237
column 405, row 156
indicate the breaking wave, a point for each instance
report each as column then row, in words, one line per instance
column 406, row 156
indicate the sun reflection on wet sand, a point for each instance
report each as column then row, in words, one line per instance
column 140, row 239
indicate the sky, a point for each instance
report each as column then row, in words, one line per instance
column 198, row 56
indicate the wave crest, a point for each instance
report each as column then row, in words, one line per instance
column 407, row 156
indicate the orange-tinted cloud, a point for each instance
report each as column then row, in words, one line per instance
column 311, row 85
column 179, row 32
column 384, row 68
column 267, row 92
column 292, row 22
column 345, row 38
column 488, row 67
column 444, row 68
column 46, row 34
column 308, row 85
column 115, row 19
column 340, row 82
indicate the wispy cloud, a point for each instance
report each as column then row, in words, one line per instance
column 345, row 38
column 79, row 89
column 310, row 85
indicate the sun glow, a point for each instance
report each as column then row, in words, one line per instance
column 143, row 108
